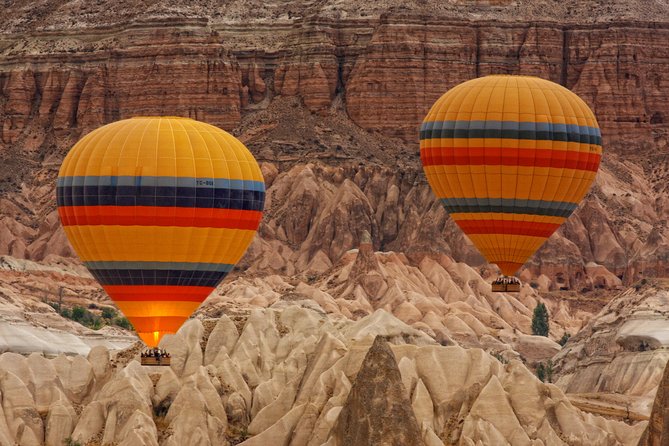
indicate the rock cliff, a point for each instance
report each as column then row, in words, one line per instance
column 328, row 93
column 625, row 341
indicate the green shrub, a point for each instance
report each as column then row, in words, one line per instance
column 540, row 320
column 545, row 371
column 78, row 313
column 70, row 442
column 123, row 323
column 84, row 317
column 563, row 340
column 108, row 313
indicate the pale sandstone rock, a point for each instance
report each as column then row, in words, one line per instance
column 76, row 376
column 24, row 423
column 197, row 413
column 59, row 423
column 222, row 339
column 115, row 405
column 99, row 358
column 185, row 349
column 45, row 384
column 280, row 432
column 302, row 390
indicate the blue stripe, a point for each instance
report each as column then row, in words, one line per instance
column 543, row 131
column 163, row 196
column 160, row 181
column 158, row 277
column 509, row 206
column 183, row 266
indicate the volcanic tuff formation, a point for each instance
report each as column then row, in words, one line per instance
column 283, row 377
column 657, row 432
column 623, row 349
column 330, row 96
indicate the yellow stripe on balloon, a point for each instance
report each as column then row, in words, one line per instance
column 506, row 98
column 514, row 244
column 489, row 182
column 159, row 243
column 162, row 147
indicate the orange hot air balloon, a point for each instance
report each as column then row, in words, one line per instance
column 159, row 209
column 510, row 158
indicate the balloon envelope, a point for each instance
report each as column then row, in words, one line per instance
column 159, row 209
column 510, row 158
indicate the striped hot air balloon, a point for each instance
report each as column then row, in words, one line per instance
column 159, row 209
column 510, row 158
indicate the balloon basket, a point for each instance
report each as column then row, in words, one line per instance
column 506, row 285
column 161, row 359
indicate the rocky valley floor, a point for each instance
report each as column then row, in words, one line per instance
column 293, row 376
column 360, row 310
column 277, row 357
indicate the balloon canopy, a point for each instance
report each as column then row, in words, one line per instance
column 159, row 209
column 510, row 158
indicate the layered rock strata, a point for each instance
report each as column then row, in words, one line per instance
column 308, row 85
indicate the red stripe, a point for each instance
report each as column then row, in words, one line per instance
column 507, row 227
column 165, row 293
column 159, row 216
column 496, row 156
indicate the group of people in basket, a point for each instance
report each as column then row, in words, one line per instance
column 155, row 353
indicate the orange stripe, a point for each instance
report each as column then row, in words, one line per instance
column 509, row 156
column 159, row 216
column 168, row 324
column 158, row 292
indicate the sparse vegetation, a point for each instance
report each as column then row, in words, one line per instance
column 70, row 442
column 540, row 324
column 123, row 323
column 640, row 284
column 564, row 339
column 545, row 371
column 160, row 411
column 498, row 356
column 108, row 313
column 108, row 316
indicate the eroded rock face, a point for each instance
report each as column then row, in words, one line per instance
column 289, row 378
column 321, row 100
column 377, row 410
column 626, row 340
column 657, row 432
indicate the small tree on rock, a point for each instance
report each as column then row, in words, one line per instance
column 540, row 320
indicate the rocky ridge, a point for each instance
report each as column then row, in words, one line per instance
column 285, row 376
column 338, row 108
column 622, row 349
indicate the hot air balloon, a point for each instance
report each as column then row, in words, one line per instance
column 159, row 209
column 510, row 158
